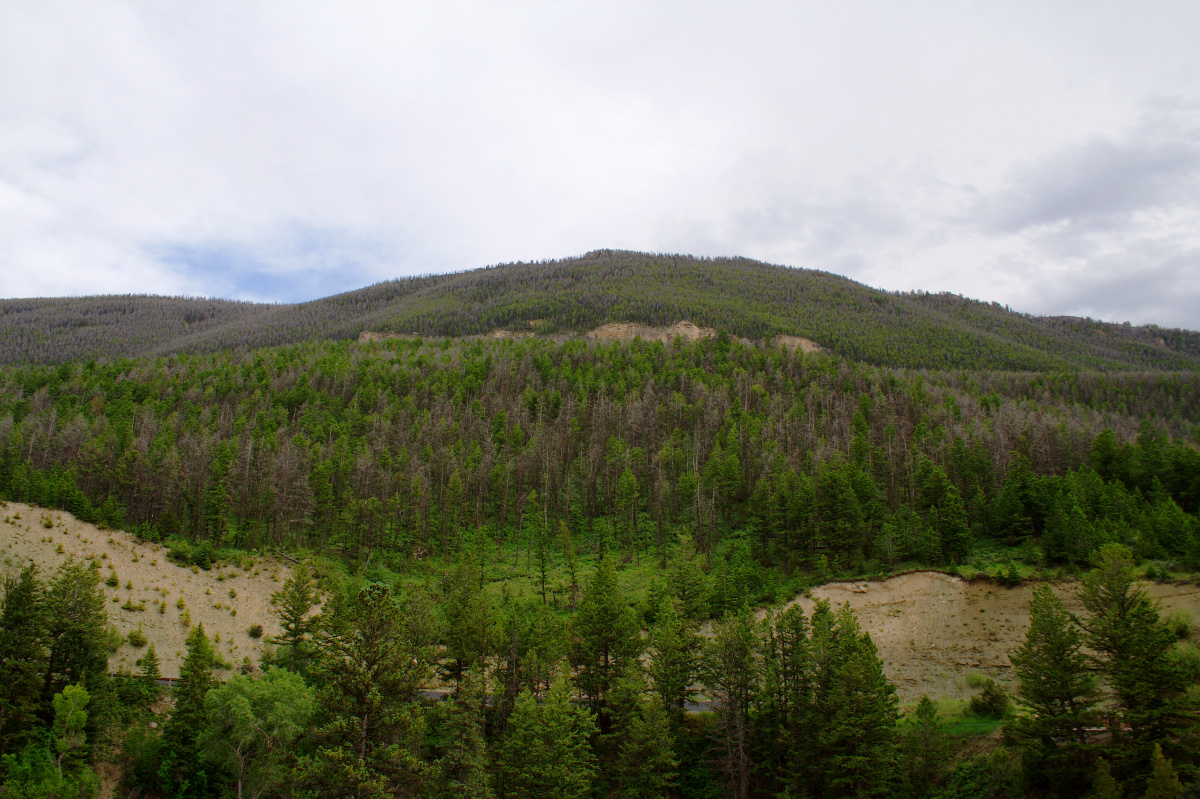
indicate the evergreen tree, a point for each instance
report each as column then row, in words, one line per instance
column 924, row 749
column 954, row 529
column 149, row 665
column 1134, row 653
column 370, row 667
column 785, row 707
column 181, row 773
column 462, row 769
column 605, row 638
column 77, row 620
column 293, row 604
column 545, row 751
column 647, row 767
column 674, row 652
column 23, row 656
column 855, row 706
column 470, row 633
column 1057, row 692
column 1104, row 786
column 731, row 672
column 1163, row 782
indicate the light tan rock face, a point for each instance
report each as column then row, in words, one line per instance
column 626, row 331
column 794, row 343
column 368, row 336
column 509, row 334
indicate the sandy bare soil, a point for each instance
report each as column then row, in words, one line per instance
column 934, row 630
column 794, row 343
column 226, row 600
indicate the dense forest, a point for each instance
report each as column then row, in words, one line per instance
column 407, row 447
column 544, row 706
column 745, row 298
column 467, row 507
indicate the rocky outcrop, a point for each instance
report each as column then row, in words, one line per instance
column 627, row 331
column 624, row 331
column 794, row 343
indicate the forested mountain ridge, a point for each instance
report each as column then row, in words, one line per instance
column 737, row 296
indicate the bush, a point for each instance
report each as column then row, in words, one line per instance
column 1011, row 576
column 113, row 581
column 180, row 552
column 113, row 639
column 255, row 631
column 1180, row 623
column 136, row 638
column 991, row 702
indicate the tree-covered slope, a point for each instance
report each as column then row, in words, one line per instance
column 735, row 295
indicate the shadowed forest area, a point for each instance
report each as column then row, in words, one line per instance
column 580, row 541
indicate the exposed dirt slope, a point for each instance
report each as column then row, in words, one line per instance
column 206, row 594
column 933, row 630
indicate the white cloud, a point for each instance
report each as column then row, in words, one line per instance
column 285, row 150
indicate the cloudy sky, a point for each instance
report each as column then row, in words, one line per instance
column 1045, row 154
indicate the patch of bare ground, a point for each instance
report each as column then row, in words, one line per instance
column 149, row 588
column 796, row 343
column 933, row 630
column 628, row 331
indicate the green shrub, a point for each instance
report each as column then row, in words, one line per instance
column 113, row 639
column 255, row 631
column 136, row 638
column 1180, row 623
column 991, row 702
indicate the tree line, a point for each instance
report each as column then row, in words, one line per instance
column 586, row 704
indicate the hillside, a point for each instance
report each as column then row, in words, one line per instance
column 149, row 592
column 568, row 297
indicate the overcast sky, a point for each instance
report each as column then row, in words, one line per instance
column 1045, row 155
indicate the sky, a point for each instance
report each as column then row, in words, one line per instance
column 1044, row 155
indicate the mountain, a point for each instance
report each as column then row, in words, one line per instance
column 738, row 296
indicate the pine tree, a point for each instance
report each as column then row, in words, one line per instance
column 1104, row 786
column 23, row 656
column 75, row 608
column 149, row 665
column 953, row 526
column 855, row 707
column 1163, row 782
column 647, row 767
column 604, row 638
column 294, row 602
column 370, row 665
column 470, row 633
column 1133, row 649
column 462, row 770
column 181, row 771
column 784, row 695
column 545, row 751
column 1058, row 693
column 924, row 748
column 674, row 649
column 731, row 673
